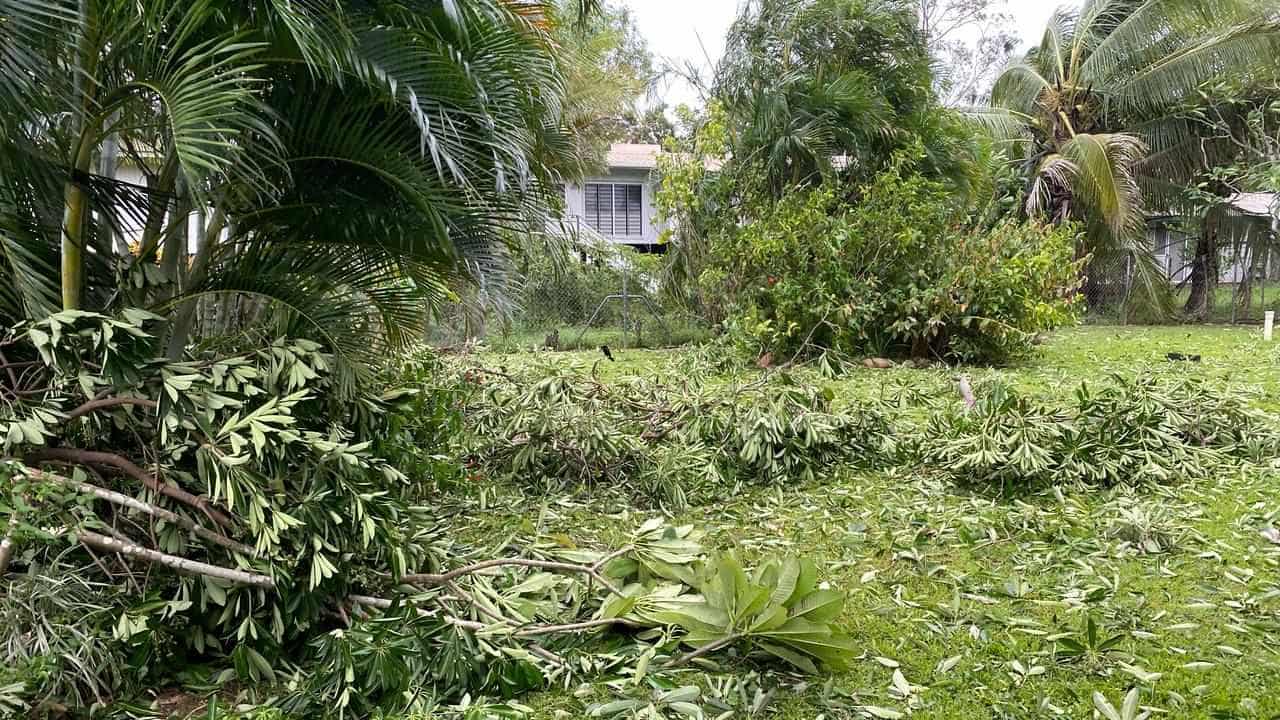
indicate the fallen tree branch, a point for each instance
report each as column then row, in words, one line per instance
column 92, row 457
column 173, row 562
column 134, row 504
column 7, row 545
column 472, row 625
column 99, row 404
column 433, row 579
column 966, row 392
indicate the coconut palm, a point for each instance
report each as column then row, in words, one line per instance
column 344, row 162
column 1099, row 108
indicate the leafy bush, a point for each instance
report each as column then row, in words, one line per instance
column 1124, row 432
column 894, row 269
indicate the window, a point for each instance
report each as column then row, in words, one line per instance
column 615, row 209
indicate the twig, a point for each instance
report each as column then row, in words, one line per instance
column 7, row 545
column 966, row 392
column 602, row 562
column 570, row 627
column 433, row 579
column 93, row 405
column 90, row 457
column 704, row 650
column 13, row 378
column 157, row 512
column 174, row 562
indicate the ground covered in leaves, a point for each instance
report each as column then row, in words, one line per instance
column 973, row 604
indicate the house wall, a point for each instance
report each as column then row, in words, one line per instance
column 575, row 203
column 129, row 173
column 1175, row 250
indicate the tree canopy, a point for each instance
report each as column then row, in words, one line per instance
column 348, row 160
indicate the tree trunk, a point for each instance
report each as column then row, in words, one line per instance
column 184, row 319
column 75, row 199
column 1204, row 271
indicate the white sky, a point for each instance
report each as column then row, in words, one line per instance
column 674, row 27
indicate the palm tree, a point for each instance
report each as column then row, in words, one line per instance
column 807, row 81
column 1098, row 109
column 347, row 161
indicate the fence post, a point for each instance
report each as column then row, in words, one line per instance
column 626, row 305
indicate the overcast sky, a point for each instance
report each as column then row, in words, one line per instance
column 674, row 27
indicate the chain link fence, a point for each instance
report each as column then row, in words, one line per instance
column 600, row 294
column 1118, row 291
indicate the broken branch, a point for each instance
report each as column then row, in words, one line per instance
column 135, row 504
column 91, row 457
column 98, row 404
column 173, row 562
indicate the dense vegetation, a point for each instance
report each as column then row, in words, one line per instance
column 233, row 481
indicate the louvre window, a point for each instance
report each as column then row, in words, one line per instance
column 615, row 209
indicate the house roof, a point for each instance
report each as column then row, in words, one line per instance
column 630, row 156
column 1263, row 204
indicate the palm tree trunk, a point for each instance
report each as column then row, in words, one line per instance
column 1204, row 271
column 75, row 199
column 183, row 322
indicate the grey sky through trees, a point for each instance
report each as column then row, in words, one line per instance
column 674, row 27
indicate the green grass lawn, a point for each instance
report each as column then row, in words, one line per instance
column 963, row 593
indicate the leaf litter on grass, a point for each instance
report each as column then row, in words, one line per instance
column 1065, row 602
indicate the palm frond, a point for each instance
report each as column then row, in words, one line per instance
column 1001, row 123
column 28, row 29
column 1018, row 89
column 1105, row 177
column 1242, row 48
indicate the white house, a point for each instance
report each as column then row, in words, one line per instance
column 618, row 203
column 1251, row 245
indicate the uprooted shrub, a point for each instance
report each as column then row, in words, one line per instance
column 1121, row 432
column 663, row 441
column 238, row 508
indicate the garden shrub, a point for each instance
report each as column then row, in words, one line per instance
column 894, row 269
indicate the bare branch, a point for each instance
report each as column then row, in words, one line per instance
column 173, row 562
column 93, row 405
column 91, row 457
column 704, row 650
column 156, row 512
